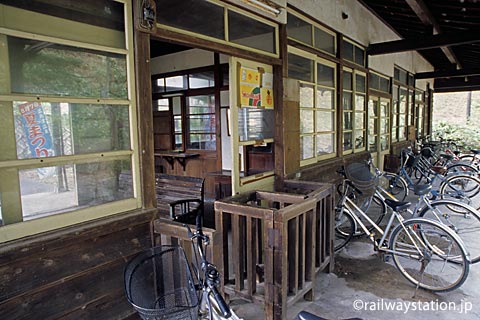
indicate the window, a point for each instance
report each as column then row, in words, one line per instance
column 353, row 53
column 317, row 106
column 402, row 109
column 308, row 32
column 419, row 113
column 354, row 110
column 65, row 111
column 220, row 23
column 189, row 96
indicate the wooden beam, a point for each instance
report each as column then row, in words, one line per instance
column 457, row 84
column 447, row 74
column 424, row 14
column 435, row 41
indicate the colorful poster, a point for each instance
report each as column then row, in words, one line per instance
column 250, row 76
column 36, row 129
column 267, row 97
column 250, row 96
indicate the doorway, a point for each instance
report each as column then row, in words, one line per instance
column 378, row 128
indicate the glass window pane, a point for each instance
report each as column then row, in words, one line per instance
column 55, row 129
column 384, row 84
column 325, row 144
column 299, row 29
column 325, row 75
column 176, row 83
column 325, row 99
column 347, row 51
column 255, row 124
column 300, row 68
column 359, row 56
column 394, row 134
column 178, row 142
column 360, row 102
column 306, row 121
column 39, row 67
column 360, row 83
column 201, row 104
column 347, row 80
column 177, row 105
column 207, row 20
column 384, row 142
column 401, row 133
column 53, row 190
column 201, row 80
column 401, row 120
column 202, row 141
column 347, row 141
column 201, row 123
column 325, row 121
column 162, row 104
column 248, row 32
column 324, row 41
column 359, row 120
column 347, row 121
column 347, row 100
column 372, row 143
column 359, row 139
column 306, row 147
column 177, row 124
column 306, row 96
column 384, row 126
column 158, row 85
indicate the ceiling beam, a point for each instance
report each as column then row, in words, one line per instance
column 424, row 14
column 457, row 84
column 435, row 41
column 447, row 74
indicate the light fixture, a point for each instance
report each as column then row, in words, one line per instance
column 264, row 6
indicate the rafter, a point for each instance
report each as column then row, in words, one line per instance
column 435, row 41
column 448, row 74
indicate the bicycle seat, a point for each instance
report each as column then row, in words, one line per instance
column 475, row 151
column 304, row 315
column 439, row 169
column 422, row 189
column 397, row 205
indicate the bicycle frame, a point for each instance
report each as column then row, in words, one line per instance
column 380, row 245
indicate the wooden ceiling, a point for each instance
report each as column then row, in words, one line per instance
column 444, row 32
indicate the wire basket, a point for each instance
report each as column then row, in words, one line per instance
column 361, row 177
column 159, row 284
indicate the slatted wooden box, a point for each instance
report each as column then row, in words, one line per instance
column 274, row 243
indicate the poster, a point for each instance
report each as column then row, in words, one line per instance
column 250, row 87
column 37, row 131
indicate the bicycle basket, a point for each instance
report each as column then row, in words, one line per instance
column 361, row 177
column 159, row 284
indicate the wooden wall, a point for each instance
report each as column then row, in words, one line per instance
column 72, row 273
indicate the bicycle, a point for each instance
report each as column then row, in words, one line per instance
column 462, row 187
column 160, row 285
column 426, row 252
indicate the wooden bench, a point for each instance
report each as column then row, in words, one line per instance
column 179, row 197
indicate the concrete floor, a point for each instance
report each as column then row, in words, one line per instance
column 366, row 287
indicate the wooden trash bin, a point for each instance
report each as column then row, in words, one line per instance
column 274, row 243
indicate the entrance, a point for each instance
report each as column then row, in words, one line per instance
column 378, row 128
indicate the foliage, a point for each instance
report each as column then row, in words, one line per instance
column 466, row 136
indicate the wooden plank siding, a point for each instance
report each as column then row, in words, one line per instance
column 72, row 273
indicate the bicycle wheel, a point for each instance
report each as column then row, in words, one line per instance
column 374, row 208
column 344, row 228
column 429, row 255
column 462, row 168
column 394, row 184
column 464, row 220
column 464, row 188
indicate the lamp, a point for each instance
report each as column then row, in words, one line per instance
column 264, row 6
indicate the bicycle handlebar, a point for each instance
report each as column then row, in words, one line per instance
column 222, row 305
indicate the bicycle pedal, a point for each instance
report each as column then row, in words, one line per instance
column 386, row 257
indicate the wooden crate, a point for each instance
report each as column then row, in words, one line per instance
column 274, row 243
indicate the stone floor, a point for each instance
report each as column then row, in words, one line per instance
column 366, row 287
